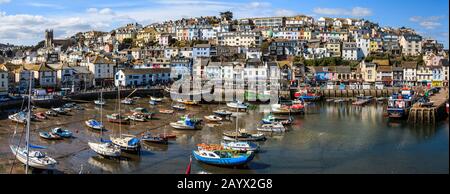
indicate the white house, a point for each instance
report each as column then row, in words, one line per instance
column 201, row 50
column 141, row 77
column 170, row 52
column 364, row 44
column 102, row 69
column 409, row 72
column 350, row 51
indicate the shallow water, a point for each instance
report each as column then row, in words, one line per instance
column 331, row 138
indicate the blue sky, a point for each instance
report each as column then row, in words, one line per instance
column 23, row 21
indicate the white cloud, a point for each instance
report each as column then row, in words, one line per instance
column 285, row 12
column 104, row 11
column 429, row 23
column 355, row 12
column 4, row 1
column 46, row 5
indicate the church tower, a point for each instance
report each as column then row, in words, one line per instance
column 48, row 38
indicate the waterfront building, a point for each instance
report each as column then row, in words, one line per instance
column 299, row 20
column 44, row 75
column 333, row 47
column 409, row 72
column 424, row 76
column 201, row 50
column 267, row 22
column 244, row 39
column 437, row 79
column 385, row 75
column 363, row 43
column 368, row 71
column 397, row 72
column 141, row 77
column 444, row 63
column 180, row 68
column 102, row 68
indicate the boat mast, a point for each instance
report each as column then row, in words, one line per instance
column 237, row 120
column 120, row 118
column 27, row 137
column 101, row 111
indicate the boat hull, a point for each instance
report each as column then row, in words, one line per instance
column 31, row 162
column 238, row 161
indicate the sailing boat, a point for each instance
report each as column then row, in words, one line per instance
column 32, row 158
column 125, row 142
column 104, row 147
column 240, row 145
column 100, row 101
column 94, row 124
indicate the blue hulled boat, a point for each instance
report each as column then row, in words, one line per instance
column 223, row 157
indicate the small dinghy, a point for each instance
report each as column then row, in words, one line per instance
column 19, row 117
column 114, row 118
column 237, row 105
column 152, row 102
column 147, row 137
column 40, row 115
column 166, row 111
column 49, row 136
column 60, row 111
column 94, row 124
column 127, row 101
column 51, row 113
column 182, row 125
column 273, row 127
column 156, row 99
column 137, row 117
column 179, row 107
column 240, row 146
column 213, row 118
column 143, row 111
column 62, row 132
column 188, row 102
column 222, row 112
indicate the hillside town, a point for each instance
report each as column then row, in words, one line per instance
column 326, row 52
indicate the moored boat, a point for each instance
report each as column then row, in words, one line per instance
column 156, row 99
column 51, row 113
column 137, row 117
column 106, row 149
column 127, row 101
column 115, row 118
column 237, row 105
column 179, row 107
column 19, row 117
column 65, row 133
column 126, row 142
column 166, row 111
column 222, row 112
column 94, row 124
column 49, row 136
column 222, row 157
column 147, row 137
column 188, row 102
column 61, row 111
column 240, row 146
column 36, row 159
column 273, row 127
column 213, row 118
column 399, row 104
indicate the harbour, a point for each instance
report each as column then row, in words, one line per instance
column 329, row 138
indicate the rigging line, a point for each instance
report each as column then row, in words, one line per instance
column 20, row 139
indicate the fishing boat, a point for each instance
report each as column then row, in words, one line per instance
column 270, row 118
column 143, row 111
column 166, row 111
column 237, row 105
column 156, row 99
column 273, row 127
column 179, row 107
column 19, row 117
column 138, row 117
column 127, row 101
column 221, row 157
column 61, row 111
column 94, row 124
column 308, row 95
column 115, row 118
column 287, row 108
column 51, row 113
column 243, row 136
column 49, row 136
column 147, row 137
column 40, row 115
column 339, row 100
column 188, row 102
column 240, row 146
column 399, row 104
column 31, row 158
column 213, row 118
column 126, row 142
column 182, row 125
column 64, row 133
column 222, row 112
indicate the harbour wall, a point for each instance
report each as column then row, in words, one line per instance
column 333, row 93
